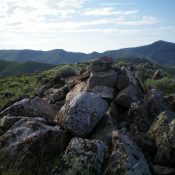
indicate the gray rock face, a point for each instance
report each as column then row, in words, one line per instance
column 83, row 156
column 81, row 114
column 55, row 95
column 125, row 78
column 143, row 113
column 104, row 92
column 33, row 107
column 30, row 145
column 71, row 81
column 106, row 78
column 126, row 157
column 162, row 132
column 128, row 95
column 81, row 87
column 103, row 64
column 7, row 121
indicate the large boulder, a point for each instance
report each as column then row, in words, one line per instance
column 162, row 132
column 81, row 114
column 126, row 157
column 83, row 157
column 125, row 78
column 31, row 146
column 128, row 95
column 103, row 78
column 104, row 92
column 31, row 107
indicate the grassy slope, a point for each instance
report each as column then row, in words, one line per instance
column 13, row 68
column 21, row 85
column 13, row 87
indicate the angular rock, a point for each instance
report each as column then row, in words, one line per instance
column 81, row 87
column 103, row 130
column 158, row 75
column 81, row 114
column 31, row 146
column 128, row 95
column 31, row 107
column 71, row 81
column 55, row 95
column 162, row 132
column 84, row 76
column 83, row 156
column 113, row 112
column 125, row 78
column 106, row 78
column 104, row 92
column 143, row 113
column 8, row 121
column 126, row 157
column 103, row 64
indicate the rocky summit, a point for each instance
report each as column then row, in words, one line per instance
column 101, row 121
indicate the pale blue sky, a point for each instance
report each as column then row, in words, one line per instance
column 85, row 25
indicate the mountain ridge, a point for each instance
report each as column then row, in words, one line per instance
column 161, row 52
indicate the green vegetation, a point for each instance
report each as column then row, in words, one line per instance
column 14, row 87
column 8, row 68
column 166, row 85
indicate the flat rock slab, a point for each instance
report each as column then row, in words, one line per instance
column 83, row 156
column 31, row 107
column 103, row 78
column 81, row 114
column 104, row 92
column 126, row 157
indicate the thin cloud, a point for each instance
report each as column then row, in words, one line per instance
column 106, row 11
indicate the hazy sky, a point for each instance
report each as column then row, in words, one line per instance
column 85, row 25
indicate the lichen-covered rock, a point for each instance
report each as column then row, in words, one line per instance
column 54, row 95
column 128, row 95
column 81, row 87
column 81, row 114
column 31, row 146
column 104, row 92
column 103, row 78
column 71, row 81
column 6, row 122
column 143, row 113
column 102, row 64
column 126, row 157
column 83, row 157
column 125, row 78
column 163, row 132
column 31, row 107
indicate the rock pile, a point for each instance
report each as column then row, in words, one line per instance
column 98, row 122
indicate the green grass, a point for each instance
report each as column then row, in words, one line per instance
column 166, row 85
column 27, row 84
